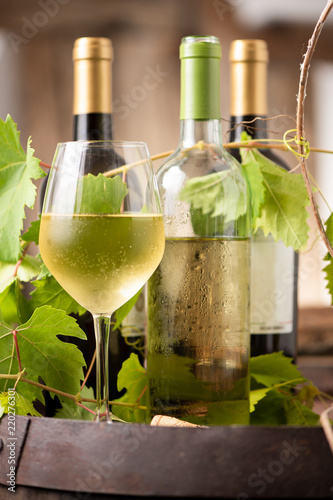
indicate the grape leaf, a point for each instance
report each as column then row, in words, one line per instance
column 3, row 403
column 100, row 194
column 24, row 407
column 32, row 234
column 133, row 378
column 26, row 270
column 329, row 228
column 8, row 303
column 282, row 408
column 49, row 292
column 307, row 394
column 17, row 170
column 255, row 178
column 270, row 410
column 202, row 192
column 272, row 369
column 256, row 395
column 298, row 413
column 328, row 270
column 72, row 411
column 270, row 405
column 284, row 212
column 42, row 353
column 216, row 199
column 44, row 272
column 13, row 305
column 123, row 311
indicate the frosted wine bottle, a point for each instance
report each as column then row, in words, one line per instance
column 274, row 267
column 198, row 298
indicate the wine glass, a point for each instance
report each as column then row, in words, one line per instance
column 101, row 233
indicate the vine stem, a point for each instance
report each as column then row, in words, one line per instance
column 75, row 398
column 279, row 144
column 19, row 262
column 248, row 144
column 89, row 370
column 300, row 116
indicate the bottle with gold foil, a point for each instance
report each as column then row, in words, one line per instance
column 274, row 267
column 92, row 120
column 92, row 101
column 198, row 298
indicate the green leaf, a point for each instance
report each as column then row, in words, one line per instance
column 123, row 311
column 13, row 305
column 328, row 270
column 101, row 195
column 299, row 414
column 252, row 169
column 307, row 394
column 133, row 378
column 329, row 228
column 33, row 232
column 8, row 304
column 24, row 407
column 284, row 212
column 43, row 355
column 3, row 403
column 44, row 272
column 202, row 192
column 17, row 170
column 26, row 270
column 49, row 292
column 72, row 411
column 216, row 200
column 23, row 308
column 256, row 396
column 270, row 410
column 273, row 369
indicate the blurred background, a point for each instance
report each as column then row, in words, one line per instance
column 36, row 40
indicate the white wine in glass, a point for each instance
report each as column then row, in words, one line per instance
column 102, row 233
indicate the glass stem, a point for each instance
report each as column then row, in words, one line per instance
column 102, row 334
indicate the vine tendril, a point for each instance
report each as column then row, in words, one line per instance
column 302, row 142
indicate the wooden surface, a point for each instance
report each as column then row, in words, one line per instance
column 146, row 461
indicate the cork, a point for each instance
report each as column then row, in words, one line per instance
column 163, row 421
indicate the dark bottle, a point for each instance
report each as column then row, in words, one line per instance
column 274, row 267
column 92, row 103
column 92, row 120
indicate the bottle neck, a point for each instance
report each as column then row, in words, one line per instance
column 92, row 100
column 248, row 96
column 200, row 89
column 92, row 126
column 194, row 131
column 200, row 114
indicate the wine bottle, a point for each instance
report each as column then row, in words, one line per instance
column 92, row 102
column 198, row 298
column 274, row 267
column 92, row 120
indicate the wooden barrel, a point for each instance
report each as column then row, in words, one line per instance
column 63, row 459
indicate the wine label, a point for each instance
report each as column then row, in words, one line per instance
column 272, row 286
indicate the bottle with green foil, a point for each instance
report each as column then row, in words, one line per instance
column 198, row 298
